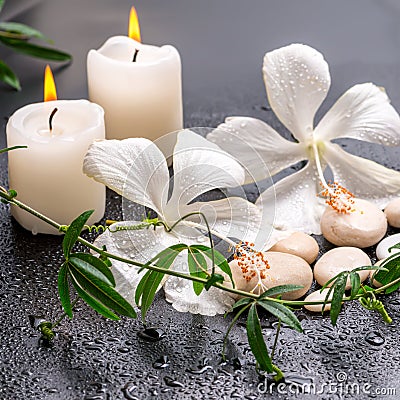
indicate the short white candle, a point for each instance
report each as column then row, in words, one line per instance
column 48, row 174
column 141, row 98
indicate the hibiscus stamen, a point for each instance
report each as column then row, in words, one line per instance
column 253, row 265
column 336, row 196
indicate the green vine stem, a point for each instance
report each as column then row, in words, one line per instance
column 278, row 330
column 73, row 304
column 5, row 195
column 232, row 324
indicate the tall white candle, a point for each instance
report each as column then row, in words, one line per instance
column 48, row 174
column 141, row 98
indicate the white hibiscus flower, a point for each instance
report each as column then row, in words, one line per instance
column 297, row 80
column 137, row 169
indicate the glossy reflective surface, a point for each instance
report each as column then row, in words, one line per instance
column 222, row 45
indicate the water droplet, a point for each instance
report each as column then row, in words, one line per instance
column 374, row 338
column 151, row 334
column 172, row 382
column 162, row 362
column 123, row 349
column 128, row 389
column 36, row 320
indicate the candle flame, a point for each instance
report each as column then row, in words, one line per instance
column 50, row 92
column 134, row 28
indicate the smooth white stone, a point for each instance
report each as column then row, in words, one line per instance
column 299, row 244
column 363, row 227
column 284, row 269
column 382, row 250
column 392, row 212
column 318, row 296
column 340, row 259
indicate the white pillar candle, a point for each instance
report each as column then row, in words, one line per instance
column 48, row 174
column 141, row 98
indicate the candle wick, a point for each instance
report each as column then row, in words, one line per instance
column 51, row 118
column 135, row 55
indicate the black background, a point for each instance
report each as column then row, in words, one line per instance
column 222, row 43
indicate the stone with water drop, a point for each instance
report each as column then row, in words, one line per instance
column 382, row 250
column 299, row 244
column 284, row 269
column 392, row 212
column 318, row 296
column 362, row 227
column 338, row 260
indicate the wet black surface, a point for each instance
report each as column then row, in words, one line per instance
column 93, row 358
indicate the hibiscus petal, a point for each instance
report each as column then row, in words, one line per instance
column 297, row 206
column 234, row 217
column 200, row 166
column 366, row 179
column 257, row 146
column 134, row 168
column 363, row 112
column 138, row 245
column 180, row 293
column 297, row 80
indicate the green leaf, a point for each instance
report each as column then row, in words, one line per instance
column 212, row 280
column 280, row 290
column 392, row 265
column 165, row 258
column 335, row 278
column 98, row 264
column 197, row 267
column 97, row 288
column 34, row 50
column 281, row 312
column 73, row 232
column 366, row 268
column 2, row 4
column 63, row 290
column 219, row 259
column 92, row 302
column 395, row 246
column 367, row 288
column 355, row 282
column 256, row 340
column 241, row 302
column 12, row 148
column 140, row 287
column 104, row 258
column 151, row 285
column 21, row 29
column 337, row 297
column 148, row 285
column 7, row 76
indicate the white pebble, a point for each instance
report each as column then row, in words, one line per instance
column 299, row 244
column 392, row 211
column 382, row 250
column 363, row 227
column 340, row 259
column 284, row 269
column 318, row 296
